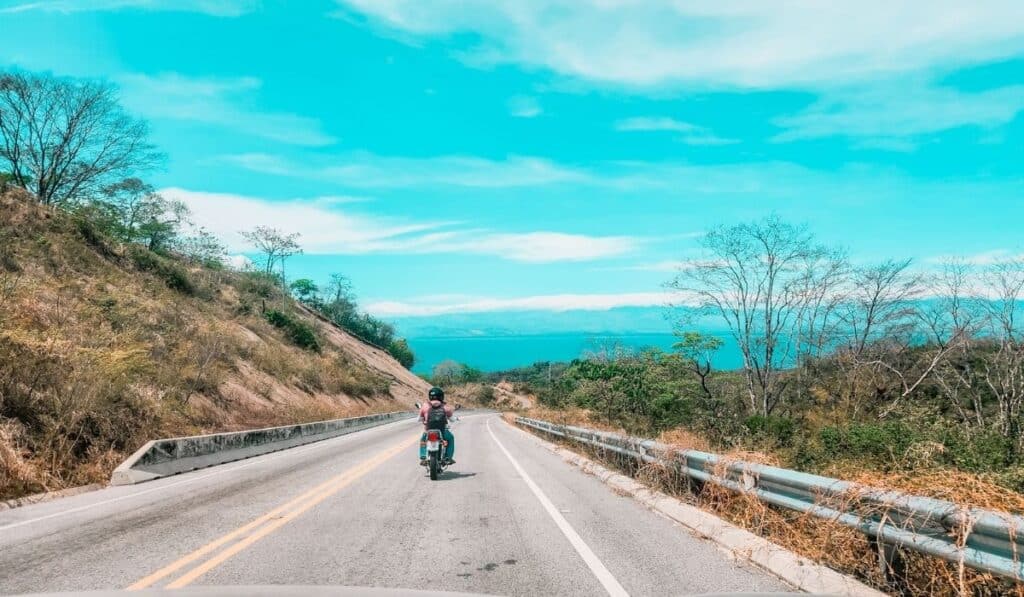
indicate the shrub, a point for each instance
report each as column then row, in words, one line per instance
column 981, row 451
column 173, row 275
column 402, row 353
column 8, row 256
column 775, row 430
column 485, row 396
column 299, row 332
column 878, row 443
column 94, row 229
column 668, row 411
column 261, row 284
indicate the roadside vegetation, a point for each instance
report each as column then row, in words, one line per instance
column 889, row 374
column 880, row 366
column 119, row 320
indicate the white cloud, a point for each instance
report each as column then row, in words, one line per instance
column 886, row 144
column 363, row 169
column 541, row 247
column 743, row 43
column 656, row 123
column 552, row 302
column 708, row 139
column 692, row 183
column 323, row 230
column 842, row 48
column 238, row 262
column 217, row 101
column 220, row 8
column 522, row 106
column 691, row 134
column 885, row 112
column 326, row 230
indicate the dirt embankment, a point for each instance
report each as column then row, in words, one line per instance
column 501, row 396
column 104, row 346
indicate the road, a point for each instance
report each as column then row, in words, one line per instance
column 510, row 518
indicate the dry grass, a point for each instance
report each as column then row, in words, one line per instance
column 849, row 551
column 571, row 416
column 682, row 439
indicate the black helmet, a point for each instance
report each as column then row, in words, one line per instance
column 436, row 393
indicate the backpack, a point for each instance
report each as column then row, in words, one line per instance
column 437, row 418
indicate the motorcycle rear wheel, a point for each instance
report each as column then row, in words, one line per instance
column 435, row 466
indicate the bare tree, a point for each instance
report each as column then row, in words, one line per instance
column 957, row 306
column 446, row 372
column 755, row 278
column 924, row 334
column 879, row 302
column 201, row 246
column 64, row 140
column 823, row 289
column 1003, row 372
column 339, row 289
column 276, row 246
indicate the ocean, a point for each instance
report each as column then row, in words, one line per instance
column 495, row 353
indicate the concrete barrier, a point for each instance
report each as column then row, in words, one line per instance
column 164, row 457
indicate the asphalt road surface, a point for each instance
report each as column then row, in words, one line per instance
column 510, row 518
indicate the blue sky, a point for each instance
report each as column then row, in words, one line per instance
column 493, row 155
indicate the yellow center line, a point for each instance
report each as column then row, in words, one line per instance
column 265, row 524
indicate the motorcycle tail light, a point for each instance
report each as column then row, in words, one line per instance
column 433, row 436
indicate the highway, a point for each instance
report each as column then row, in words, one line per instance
column 510, row 518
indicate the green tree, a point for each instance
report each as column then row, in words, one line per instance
column 202, row 246
column 403, row 354
column 305, row 290
column 129, row 199
column 160, row 222
column 697, row 351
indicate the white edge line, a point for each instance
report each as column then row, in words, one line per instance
column 607, row 580
column 254, row 461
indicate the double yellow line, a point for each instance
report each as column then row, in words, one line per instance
column 248, row 534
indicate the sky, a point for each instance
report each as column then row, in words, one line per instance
column 487, row 156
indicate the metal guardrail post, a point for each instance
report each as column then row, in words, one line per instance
column 890, row 563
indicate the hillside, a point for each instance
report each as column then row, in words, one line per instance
column 104, row 345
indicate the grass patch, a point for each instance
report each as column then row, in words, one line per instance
column 299, row 332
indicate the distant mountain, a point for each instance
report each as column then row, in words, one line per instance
column 621, row 320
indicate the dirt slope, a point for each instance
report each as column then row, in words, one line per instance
column 104, row 346
column 405, row 386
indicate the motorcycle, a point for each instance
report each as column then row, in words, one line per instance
column 436, row 445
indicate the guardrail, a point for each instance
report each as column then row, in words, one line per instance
column 164, row 457
column 980, row 539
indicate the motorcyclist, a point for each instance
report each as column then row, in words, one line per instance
column 436, row 404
